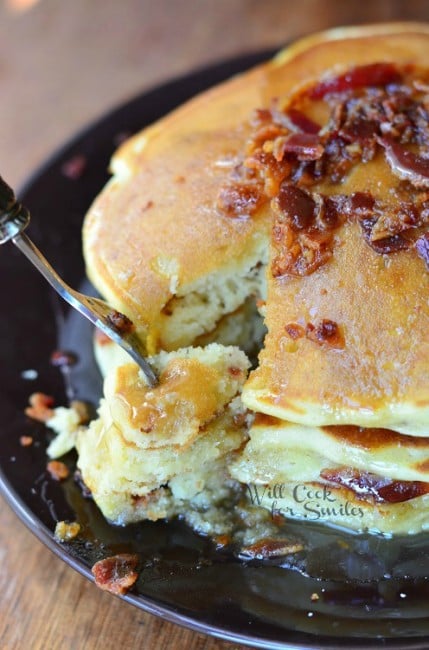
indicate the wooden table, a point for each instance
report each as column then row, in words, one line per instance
column 62, row 64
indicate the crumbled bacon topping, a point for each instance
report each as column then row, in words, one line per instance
column 406, row 164
column 240, row 200
column 303, row 230
column 306, row 146
column 116, row 574
column 375, row 109
column 326, row 332
column 295, row 331
column 372, row 75
column 385, row 245
column 58, row 470
column 120, row 322
column 299, row 121
column 41, row 407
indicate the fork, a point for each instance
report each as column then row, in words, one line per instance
column 14, row 219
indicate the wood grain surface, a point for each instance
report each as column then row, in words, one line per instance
column 63, row 64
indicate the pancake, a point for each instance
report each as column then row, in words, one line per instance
column 297, row 192
column 148, row 444
column 282, row 451
column 361, row 479
column 164, row 191
column 370, row 283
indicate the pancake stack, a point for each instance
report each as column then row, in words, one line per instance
column 296, row 194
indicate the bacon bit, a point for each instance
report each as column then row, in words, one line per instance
column 302, row 122
column 58, row 470
column 272, row 171
column 295, row 331
column 222, row 541
column 406, row 164
column 393, row 221
column 74, row 168
column 40, row 407
column 65, row 531
column 366, row 485
column 259, row 116
column 26, row 441
column 302, row 257
column 422, row 247
column 306, row 146
column 120, row 322
column 288, row 153
column 234, row 371
column 361, row 204
column 330, row 211
column 303, row 230
column 116, row 574
column 362, row 131
column 325, row 332
column 240, row 200
column 385, row 245
column 364, row 76
column 63, row 358
column 267, row 548
column 297, row 206
column 264, row 136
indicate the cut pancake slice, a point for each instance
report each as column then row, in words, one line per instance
column 378, row 377
column 145, row 441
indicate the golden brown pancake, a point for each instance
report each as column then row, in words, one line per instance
column 300, row 188
column 375, row 373
column 148, row 444
column 155, row 243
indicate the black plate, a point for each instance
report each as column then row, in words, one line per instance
column 372, row 592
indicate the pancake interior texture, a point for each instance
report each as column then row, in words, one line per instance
column 286, row 209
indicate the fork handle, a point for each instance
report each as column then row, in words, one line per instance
column 14, row 217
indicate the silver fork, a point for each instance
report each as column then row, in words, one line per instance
column 14, row 218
